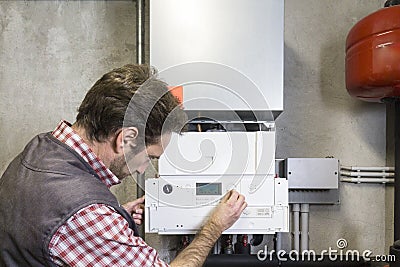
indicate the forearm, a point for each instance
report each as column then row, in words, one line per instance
column 224, row 216
column 195, row 254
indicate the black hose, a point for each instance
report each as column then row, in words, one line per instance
column 256, row 240
column 389, row 3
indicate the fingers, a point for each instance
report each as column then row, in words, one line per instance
column 137, row 201
column 229, row 210
column 227, row 196
column 138, row 211
column 240, row 204
column 133, row 205
column 237, row 201
column 244, row 205
column 234, row 198
column 137, row 216
column 231, row 196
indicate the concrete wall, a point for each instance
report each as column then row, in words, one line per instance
column 320, row 119
column 51, row 52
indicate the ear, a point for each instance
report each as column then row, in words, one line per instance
column 126, row 137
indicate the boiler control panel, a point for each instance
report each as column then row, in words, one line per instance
column 180, row 205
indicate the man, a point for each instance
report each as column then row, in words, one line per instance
column 55, row 204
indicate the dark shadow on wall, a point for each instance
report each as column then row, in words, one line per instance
column 288, row 139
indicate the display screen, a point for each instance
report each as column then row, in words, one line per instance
column 208, row 189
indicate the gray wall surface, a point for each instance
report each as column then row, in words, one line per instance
column 320, row 119
column 51, row 52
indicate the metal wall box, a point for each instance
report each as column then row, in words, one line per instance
column 312, row 173
column 311, row 180
column 328, row 196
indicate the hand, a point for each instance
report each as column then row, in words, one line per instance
column 228, row 210
column 135, row 208
column 223, row 216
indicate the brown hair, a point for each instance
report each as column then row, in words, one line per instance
column 130, row 96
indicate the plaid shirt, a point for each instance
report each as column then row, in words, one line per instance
column 97, row 235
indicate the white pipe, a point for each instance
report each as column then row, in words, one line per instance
column 367, row 180
column 304, row 209
column 139, row 31
column 216, row 246
column 367, row 174
column 354, row 168
column 296, row 227
column 278, row 241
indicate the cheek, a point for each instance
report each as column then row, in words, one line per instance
column 138, row 161
column 118, row 167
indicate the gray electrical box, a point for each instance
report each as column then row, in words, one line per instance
column 312, row 180
column 312, row 173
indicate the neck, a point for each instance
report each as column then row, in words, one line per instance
column 101, row 149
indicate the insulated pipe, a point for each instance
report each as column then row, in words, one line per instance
column 304, row 209
column 367, row 180
column 355, row 168
column 367, row 174
column 296, row 226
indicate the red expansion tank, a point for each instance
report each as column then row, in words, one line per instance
column 373, row 56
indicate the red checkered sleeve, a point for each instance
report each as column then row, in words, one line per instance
column 99, row 236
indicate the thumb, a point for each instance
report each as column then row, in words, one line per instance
column 138, row 201
column 134, row 203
